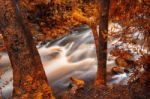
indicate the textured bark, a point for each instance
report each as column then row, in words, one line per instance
column 29, row 79
column 102, row 45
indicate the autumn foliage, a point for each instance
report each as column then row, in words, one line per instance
column 49, row 19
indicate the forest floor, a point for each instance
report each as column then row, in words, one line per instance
column 134, row 91
column 139, row 89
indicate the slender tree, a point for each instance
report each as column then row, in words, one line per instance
column 29, row 79
column 101, row 43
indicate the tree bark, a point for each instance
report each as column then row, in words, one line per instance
column 101, row 43
column 29, row 79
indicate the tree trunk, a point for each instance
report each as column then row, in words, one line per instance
column 101, row 44
column 29, row 79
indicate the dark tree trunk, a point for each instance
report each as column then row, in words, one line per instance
column 102, row 45
column 29, row 79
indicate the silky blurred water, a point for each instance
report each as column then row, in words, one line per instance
column 69, row 56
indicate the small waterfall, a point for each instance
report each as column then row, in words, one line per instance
column 72, row 55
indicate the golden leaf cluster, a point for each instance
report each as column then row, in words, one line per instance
column 79, row 83
column 58, row 16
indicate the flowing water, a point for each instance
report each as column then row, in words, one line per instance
column 70, row 56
